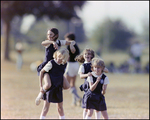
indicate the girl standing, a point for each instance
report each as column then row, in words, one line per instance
column 84, row 71
column 51, row 45
column 55, row 69
column 94, row 97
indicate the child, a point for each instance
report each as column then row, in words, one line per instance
column 55, row 68
column 72, row 68
column 94, row 97
column 84, row 71
column 51, row 45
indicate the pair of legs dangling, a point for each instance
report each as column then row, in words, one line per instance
column 47, row 85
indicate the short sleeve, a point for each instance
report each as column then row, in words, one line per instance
column 81, row 69
column 63, row 42
column 106, row 81
column 90, row 79
column 48, row 66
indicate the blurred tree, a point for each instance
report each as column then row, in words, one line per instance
column 52, row 9
column 112, row 35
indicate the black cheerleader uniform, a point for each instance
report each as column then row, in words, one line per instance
column 48, row 56
column 54, row 94
column 95, row 99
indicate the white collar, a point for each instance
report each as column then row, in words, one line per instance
column 93, row 73
column 87, row 62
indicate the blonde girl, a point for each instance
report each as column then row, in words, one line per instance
column 55, row 68
column 51, row 45
column 94, row 97
column 84, row 71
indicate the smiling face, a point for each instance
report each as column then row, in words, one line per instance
column 98, row 66
column 59, row 58
column 50, row 35
column 97, row 70
column 87, row 56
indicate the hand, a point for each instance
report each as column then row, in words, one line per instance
column 89, row 74
column 103, row 92
column 99, row 78
column 55, row 45
column 72, row 48
column 73, row 43
column 41, row 89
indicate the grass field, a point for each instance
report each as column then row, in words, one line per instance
column 127, row 95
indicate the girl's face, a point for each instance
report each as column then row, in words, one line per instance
column 87, row 56
column 50, row 35
column 59, row 58
column 97, row 70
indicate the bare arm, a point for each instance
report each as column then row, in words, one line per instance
column 93, row 86
column 82, row 76
column 104, row 89
column 71, row 43
column 48, row 42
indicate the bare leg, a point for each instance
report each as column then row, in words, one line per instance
column 45, row 109
column 66, row 84
column 89, row 114
column 47, row 81
column 97, row 114
column 84, row 113
column 60, row 110
column 105, row 114
column 46, row 86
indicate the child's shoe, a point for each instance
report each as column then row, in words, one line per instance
column 37, row 100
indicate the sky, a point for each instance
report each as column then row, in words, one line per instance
column 132, row 13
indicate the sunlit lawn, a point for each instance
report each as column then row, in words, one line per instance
column 127, row 94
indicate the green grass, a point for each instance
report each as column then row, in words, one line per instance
column 127, row 95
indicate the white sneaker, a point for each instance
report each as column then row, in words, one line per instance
column 37, row 100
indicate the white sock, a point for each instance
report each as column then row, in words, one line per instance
column 97, row 115
column 40, row 95
column 84, row 114
column 62, row 117
column 87, row 117
column 42, row 117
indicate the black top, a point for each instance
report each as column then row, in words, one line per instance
column 73, row 55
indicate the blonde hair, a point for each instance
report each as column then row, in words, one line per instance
column 64, row 52
column 80, row 57
column 98, row 62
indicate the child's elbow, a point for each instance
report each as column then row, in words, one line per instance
column 42, row 71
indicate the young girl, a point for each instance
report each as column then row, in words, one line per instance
column 84, row 71
column 51, row 45
column 94, row 97
column 55, row 68
column 72, row 69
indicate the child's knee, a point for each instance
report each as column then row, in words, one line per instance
column 47, row 86
column 60, row 108
column 90, row 112
column 45, row 109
